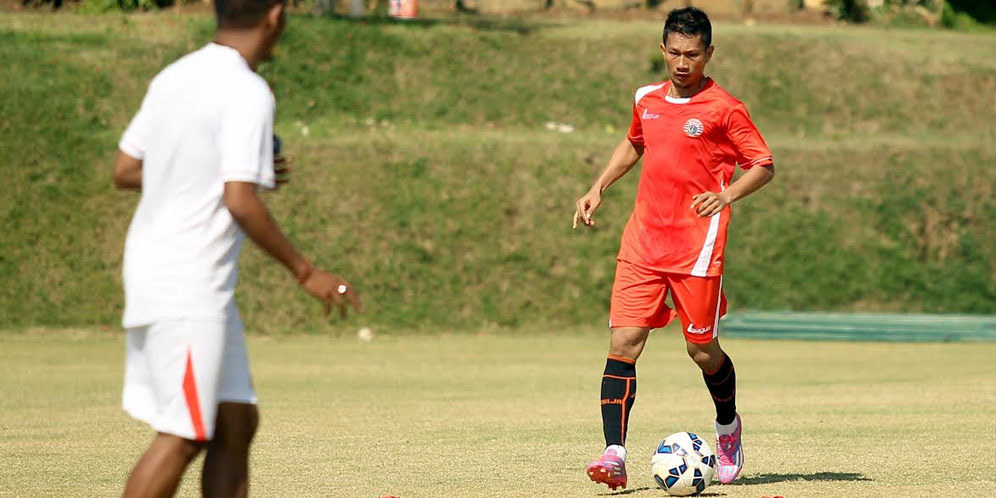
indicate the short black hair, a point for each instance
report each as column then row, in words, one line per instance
column 688, row 21
column 240, row 14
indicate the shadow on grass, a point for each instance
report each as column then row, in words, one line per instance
column 653, row 490
column 624, row 492
column 761, row 479
column 819, row 476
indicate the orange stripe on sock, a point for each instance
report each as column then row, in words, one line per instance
column 720, row 367
column 617, row 377
column 727, row 399
column 193, row 404
column 622, row 359
column 622, row 422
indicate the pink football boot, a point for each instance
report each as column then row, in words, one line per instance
column 731, row 455
column 610, row 470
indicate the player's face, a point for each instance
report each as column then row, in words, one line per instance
column 686, row 58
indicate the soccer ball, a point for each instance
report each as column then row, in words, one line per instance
column 683, row 464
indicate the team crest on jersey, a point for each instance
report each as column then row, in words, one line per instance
column 693, row 128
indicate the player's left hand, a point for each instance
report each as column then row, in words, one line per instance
column 282, row 169
column 708, row 204
column 332, row 290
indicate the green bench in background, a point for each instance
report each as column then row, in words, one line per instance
column 859, row 326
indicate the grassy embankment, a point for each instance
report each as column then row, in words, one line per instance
column 425, row 174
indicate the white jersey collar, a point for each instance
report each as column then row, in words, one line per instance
column 226, row 51
column 683, row 100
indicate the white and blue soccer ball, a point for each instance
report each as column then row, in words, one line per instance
column 683, row 464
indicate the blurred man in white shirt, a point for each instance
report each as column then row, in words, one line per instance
column 199, row 149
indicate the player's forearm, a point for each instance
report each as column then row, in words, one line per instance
column 257, row 223
column 131, row 181
column 750, row 182
column 127, row 172
column 623, row 159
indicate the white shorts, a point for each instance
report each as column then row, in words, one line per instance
column 177, row 371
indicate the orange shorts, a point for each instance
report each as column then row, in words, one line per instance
column 639, row 294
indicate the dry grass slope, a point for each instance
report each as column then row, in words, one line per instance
column 426, row 176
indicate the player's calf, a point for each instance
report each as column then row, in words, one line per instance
column 161, row 467
column 226, row 465
column 721, row 380
column 617, row 396
column 722, row 384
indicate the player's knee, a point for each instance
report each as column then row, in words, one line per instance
column 627, row 344
column 246, row 429
column 698, row 356
column 629, row 349
column 252, row 424
column 706, row 359
column 192, row 448
column 184, row 448
column 237, row 425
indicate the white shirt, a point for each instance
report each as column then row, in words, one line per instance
column 206, row 119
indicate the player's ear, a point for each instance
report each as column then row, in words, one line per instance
column 708, row 53
column 663, row 48
column 275, row 16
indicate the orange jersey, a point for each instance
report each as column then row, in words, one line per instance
column 691, row 146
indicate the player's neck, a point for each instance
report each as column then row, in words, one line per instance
column 688, row 91
column 246, row 42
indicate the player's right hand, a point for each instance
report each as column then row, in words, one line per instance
column 282, row 169
column 585, row 208
column 332, row 290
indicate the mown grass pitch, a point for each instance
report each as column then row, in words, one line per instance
column 516, row 414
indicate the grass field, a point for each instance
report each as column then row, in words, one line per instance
column 517, row 415
column 426, row 176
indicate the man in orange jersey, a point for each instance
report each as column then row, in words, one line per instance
column 692, row 135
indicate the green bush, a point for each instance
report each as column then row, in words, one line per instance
column 961, row 20
column 981, row 11
column 849, row 10
column 96, row 6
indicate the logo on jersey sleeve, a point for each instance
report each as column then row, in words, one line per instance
column 693, row 128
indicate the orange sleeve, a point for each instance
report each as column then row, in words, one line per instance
column 746, row 139
column 635, row 135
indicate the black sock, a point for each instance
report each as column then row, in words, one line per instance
column 618, row 394
column 723, row 386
